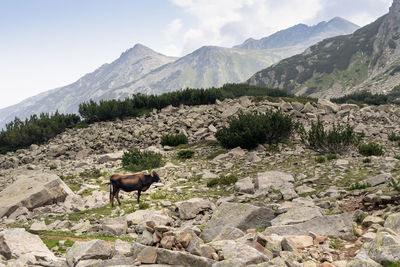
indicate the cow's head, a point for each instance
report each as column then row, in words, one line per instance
column 155, row 177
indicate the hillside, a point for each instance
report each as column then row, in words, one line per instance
column 130, row 66
column 369, row 59
column 287, row 206
column 301, row 35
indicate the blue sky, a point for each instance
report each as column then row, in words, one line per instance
column 50, row 43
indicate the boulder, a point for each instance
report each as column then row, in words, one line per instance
column 297, row 214
column 92, row 250
column 229, row 233
column 370, row 220
column 33, row 189
column 122, row 248
column 147, row 255
column 16, row 243
column 335, row 225
column 245, row 186
column 274, row 180
column 189, row 209
column 378, row 179
column 385, row 247
column 393, row 222
column 239, row 215
column 115, row 226
column 141, row 216
column 165, row 256
column 239, row 251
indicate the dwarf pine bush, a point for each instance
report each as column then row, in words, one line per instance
column 135, row 160
column 337, row 140
column 174, row 140
column 249, row 130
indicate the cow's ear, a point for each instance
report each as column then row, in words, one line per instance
column 152, row 174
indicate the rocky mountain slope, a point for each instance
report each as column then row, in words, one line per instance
column 130, row 66
column 142, row 70
column 286, row 209
column 369, row 59
column 301, row 35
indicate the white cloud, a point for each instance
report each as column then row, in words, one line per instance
column 227, row 22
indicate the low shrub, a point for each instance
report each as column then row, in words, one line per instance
column 186, row 154
column 339, row 139
column 249, row 130
column 370, row 149
column 224, row 180
column 358, row 186
column 331, row 156
column 367, row 160
column 394, row 137
column 320, row 159
column 395, row 184
column 174, row 140
column 135, row 160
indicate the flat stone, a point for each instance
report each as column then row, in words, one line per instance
column 370, row 220
column 189, row 209
column 298, row 214
column 147, row 255
column 393, row 222
column 94, row 249
column 301, row 241
column 245, row 186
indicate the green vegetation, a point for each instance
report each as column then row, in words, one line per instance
column 174, row 140
column 395, row 184
column 224, row 180
column 186, row 154
column 365, row 97
column 391, row 264
column 54, row 242
column 135, row 160
column 370, row 149
column 144, row 205
column 336, row 140
column 320, row 159
column 397, row 157
column 394, row 137
column 367, row 160
column 158, row 195
column 358, row 185
column 331, row 156
column 35, row 130
column 249, row 130
column 333, row 244
column 71, row 181
column 212, row 155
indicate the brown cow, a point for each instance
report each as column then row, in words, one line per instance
column 131, row 182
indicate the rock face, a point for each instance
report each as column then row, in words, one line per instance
column 33, row 189
column 92, row 250
column 16, row 243
column 335, row 225
column 242, row 216
column 301, row 74
column 274, row 180
column 190, row 208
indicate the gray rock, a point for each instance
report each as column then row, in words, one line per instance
column 189, row 209
column 385, row 247
column 147, row 255
column 229, row 233
column 298, row 214
column 362, row 260
column 115, row 226
column 370, row 220
column 379, row 179
column 142, row 216
column 39, row 226
column 335, row 225
column 303, row 189
column 122, row 248
column 242, row 216
column 393, row 222
column 236, row 250
column 245, row 186
column 274, row 180
column 92, row 250
column 16, row 243
column 170, row 257
column 33, row 189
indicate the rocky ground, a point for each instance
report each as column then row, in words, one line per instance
column 285, row 209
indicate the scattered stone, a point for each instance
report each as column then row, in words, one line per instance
column 94, row 249
column 245, row 186
column 189, row 209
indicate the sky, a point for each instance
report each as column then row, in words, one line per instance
column 45, row 44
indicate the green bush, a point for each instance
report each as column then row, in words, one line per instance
column 134, row 160
column 249, row 130
column 367, row 160
column 395, row 184
column 394, row 137
column 320, row 159
column 185, row 154
column 174, row 140
column 331, row 156
column 370, row 149
column 339, row 139
column 224, row 180
column 358, row 186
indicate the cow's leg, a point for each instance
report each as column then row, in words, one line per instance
column 112, row 194
column 138, row 196
column 116, row 194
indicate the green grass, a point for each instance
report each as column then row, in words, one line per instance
column 53, row 242
column 370, row 149
column 224, row 180
column 367, row 160
column 158, row 195
column 320, row 159
column 357, row 186
column 212, row 155
column 391, row 264
column 185, row 154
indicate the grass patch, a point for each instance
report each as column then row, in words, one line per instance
column 224, row 180
column 158, row 195
column 367, row 160
column 320, row 159
column 212, row 155
column 370, row 149
column 174, row 140
column 144, row 205
column 331, row 156
column 72, row 182
column 186, row 154
column 357, row 186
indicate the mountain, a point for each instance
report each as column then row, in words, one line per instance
column 131, row 65
column 368, row 59
column 301, row 35
column 206, row 67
